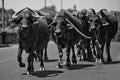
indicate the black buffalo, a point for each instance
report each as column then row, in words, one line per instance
column 104, row 26
column 33, row 36
column 83, row 47
column 67, row 31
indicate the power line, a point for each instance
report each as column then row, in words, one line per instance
column 61, row 4
column 45, row 6
column 3, row 24
column 51, row 2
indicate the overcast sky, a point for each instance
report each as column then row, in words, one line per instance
column 37, row 4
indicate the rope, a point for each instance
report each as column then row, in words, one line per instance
column 78, row 30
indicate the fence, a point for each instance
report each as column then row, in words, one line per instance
column 10, row 38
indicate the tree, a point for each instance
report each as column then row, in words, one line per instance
column 49, row 8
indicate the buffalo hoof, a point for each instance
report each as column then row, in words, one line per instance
column 109, row 60
column 67, row 64
column 42, row 69
column 59, row 65
column 46, row 58
column 22, row 65
column 99, row 61
column 80, row 59
column 89, row 59
column 74, row 61
column 37, row 59
column 29, row 72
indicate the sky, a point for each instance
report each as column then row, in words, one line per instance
column 80, row 4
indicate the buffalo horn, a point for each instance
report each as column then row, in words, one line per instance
column 78, row 30
column 93, row 11
column 35, row 13
column 15, row 15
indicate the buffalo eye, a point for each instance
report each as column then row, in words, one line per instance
column 17, row 20
column 24, row 28
column 32, row 20
column 89, row 21
column 55, row 23
column 98, row 20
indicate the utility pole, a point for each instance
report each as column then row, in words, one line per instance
column 61, row 4
column 3, row 14
column 45, row 6
column 74, row 7
column 3, row 24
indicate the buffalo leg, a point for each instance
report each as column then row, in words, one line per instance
column 99, row 52
column 102, row 51
column 92, row 46
column 78, row 46
column 19, row 56
column 30, row 60
column 79, row 53
column 108, row 51
column 89, row 52
column 84, row 52
column 42, row 68
column 45, row 53
column 59, row 65
column 74, row 61
column 68, row 63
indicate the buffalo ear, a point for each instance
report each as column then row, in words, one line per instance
column 70, row 26
column 32, row 20
column 98, row 20
column 16, row 20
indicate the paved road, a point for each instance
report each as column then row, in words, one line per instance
column 9, row 69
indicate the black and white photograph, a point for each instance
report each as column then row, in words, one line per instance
column 59, row 39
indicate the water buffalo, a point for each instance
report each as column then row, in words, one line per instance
column 33, row 36
column 67, row 31
column 83, row 47
column 104, row 26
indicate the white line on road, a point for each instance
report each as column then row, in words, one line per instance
column 15, row 46
column 4, row 60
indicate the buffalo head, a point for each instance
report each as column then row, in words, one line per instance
column 25, row 18
column 98, row 20
column 61, row 26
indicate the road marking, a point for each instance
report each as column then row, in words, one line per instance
column 15, row 46
column 4, row 60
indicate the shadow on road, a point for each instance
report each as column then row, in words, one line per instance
column 51, row 60
column 4, row 45
column 80, row 66
column 47, row 73
column 113, row 62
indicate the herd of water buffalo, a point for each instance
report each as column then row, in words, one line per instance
column 86, row 30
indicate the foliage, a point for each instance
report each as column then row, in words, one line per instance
column 50, row 10
column 7, row 15
column 117, row 37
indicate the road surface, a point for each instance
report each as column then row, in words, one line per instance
column 9, row 69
